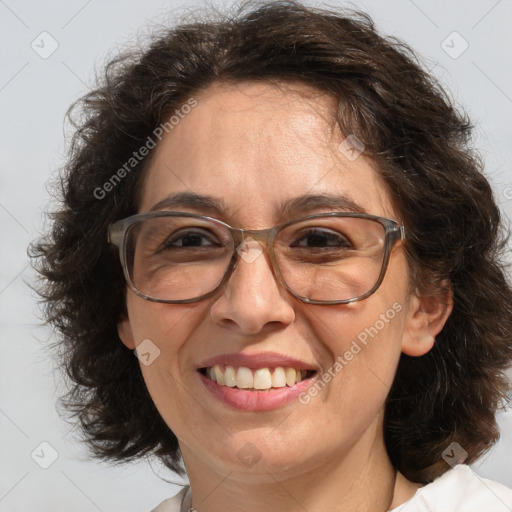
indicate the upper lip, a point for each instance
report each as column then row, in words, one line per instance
column 261, row 360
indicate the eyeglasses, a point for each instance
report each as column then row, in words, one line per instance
column 327, row 258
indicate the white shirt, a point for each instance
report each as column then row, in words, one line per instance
column 458, row 490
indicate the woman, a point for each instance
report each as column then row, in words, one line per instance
column 280, row 213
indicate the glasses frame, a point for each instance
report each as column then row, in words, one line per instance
column 118, row 230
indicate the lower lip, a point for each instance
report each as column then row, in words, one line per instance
column 265, row 400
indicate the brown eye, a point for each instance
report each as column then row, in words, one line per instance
column 191, row 238
column 322, row 238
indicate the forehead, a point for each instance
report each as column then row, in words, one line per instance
column 255, row 146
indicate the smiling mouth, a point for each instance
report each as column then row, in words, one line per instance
column 256, row 379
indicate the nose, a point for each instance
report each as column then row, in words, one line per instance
column 253, row 298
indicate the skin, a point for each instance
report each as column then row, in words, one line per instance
column 253, row 145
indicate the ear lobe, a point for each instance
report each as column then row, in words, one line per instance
column 124, row 330
column 427, row 316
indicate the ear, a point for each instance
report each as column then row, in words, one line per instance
column 425, row 319
column 124, row 329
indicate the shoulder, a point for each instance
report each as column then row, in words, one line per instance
column 173, row 504
column 460, row 489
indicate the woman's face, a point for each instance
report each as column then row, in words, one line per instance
column 254, row 146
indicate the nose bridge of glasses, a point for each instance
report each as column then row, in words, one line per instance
column 249, row 253
column 259, row 235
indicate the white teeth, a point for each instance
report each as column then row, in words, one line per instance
column 291, row 374
column 229, row 376
column 279, row 378
column 244, row 378
column 219, row 376
column 261, row 378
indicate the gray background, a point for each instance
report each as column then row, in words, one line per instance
column 34, row 95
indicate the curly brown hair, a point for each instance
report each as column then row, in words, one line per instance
column 421, row 144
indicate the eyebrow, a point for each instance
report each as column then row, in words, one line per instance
column 293, row 206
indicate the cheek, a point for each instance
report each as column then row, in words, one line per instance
column 160, row 331
column 166, row 325
column 363, row 342
column 368, row 345
column 363, row 328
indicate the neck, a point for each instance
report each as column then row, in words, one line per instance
column 360, row 480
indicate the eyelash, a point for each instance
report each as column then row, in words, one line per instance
column 313, row 232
